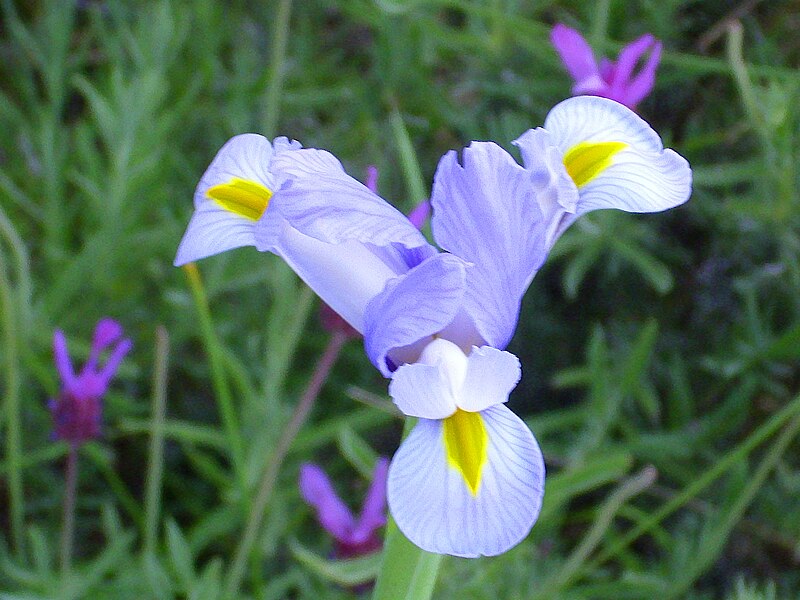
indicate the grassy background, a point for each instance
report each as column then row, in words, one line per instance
column 660, row 352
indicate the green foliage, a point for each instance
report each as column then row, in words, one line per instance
column 660, row 352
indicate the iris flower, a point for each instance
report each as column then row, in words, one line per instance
column 616, row 81
column 469, row 478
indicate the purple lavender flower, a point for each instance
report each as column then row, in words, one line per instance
column 77, row 411
column 352, row 537
column 615, row 81
column 420, row 214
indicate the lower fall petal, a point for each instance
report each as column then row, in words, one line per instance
column 437, row 510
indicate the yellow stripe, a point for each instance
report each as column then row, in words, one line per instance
column 587, row 160
column 246, row 198
column 465, row 442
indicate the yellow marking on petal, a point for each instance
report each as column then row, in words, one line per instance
column 246, row 198
column 465, row 442
column 586, row 160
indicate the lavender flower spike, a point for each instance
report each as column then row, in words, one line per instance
column 353, row 537
column 77, row 411
column 609, row 80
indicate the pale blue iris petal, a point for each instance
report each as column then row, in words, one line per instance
column 435, row 509
column 320, row 200
column 213, row 229
column 545, row 162
column 491, row 375
column 644, row 177
column 421, row 390
column 246, row 156
column 412, row 307
column 487, row 213
column 346, row 276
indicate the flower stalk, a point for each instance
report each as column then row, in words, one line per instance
column 270, row 475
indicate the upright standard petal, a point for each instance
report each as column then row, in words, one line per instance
column 232, row 195
column 612, row 156
column 440, row 511
column 345, row 276
column 412, row 308
column 487, row 213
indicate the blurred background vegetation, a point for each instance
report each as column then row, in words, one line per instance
column 660, row 352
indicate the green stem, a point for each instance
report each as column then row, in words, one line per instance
column 272, row 468
column 407, row 572
column 222, row 392
column 70, row 493
column 12, row 410
column 280, row 37
column 155, row 467
column 408, row 158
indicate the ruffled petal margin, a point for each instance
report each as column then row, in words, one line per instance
column 487, row 213
column 642, row 177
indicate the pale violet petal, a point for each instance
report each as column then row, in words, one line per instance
column 487, row 213
column 347, row 276
column 421, row 390
column 322, row 201
column 213, row 229
column 435, row 509
column 245, row 156
column 491, row 375
column 545, row 162
column 413, row 307
column 642, row 177
column 343, row 240
column 557, row 194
